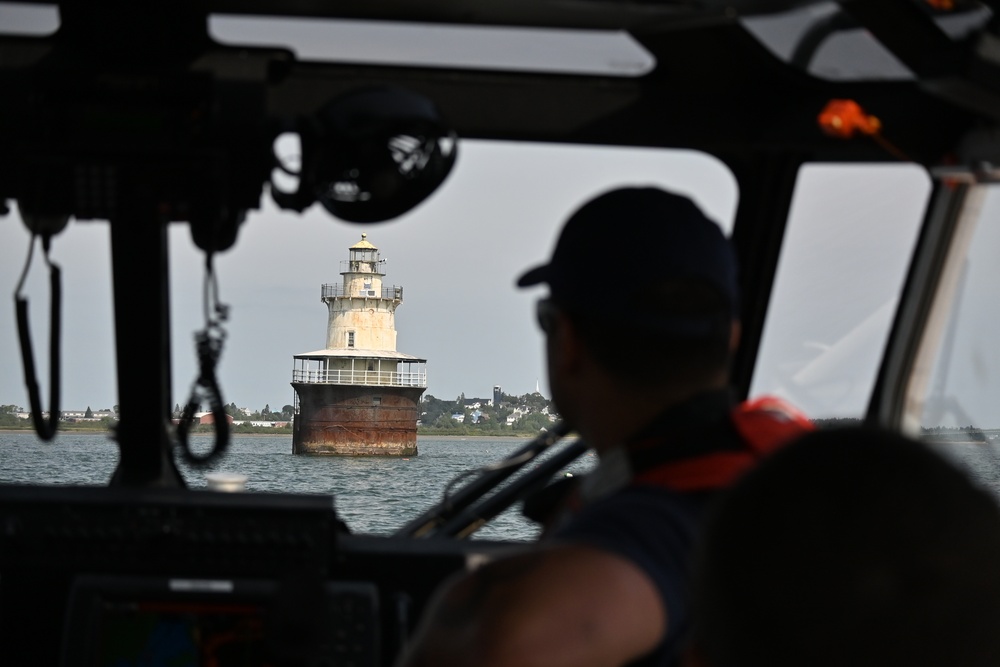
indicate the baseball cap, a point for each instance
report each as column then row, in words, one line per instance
column 635, row 238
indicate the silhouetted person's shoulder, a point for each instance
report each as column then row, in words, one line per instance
column 850, row 547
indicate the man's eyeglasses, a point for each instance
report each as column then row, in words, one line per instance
column 546, row 311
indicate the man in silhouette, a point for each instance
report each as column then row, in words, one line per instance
column 640, row 324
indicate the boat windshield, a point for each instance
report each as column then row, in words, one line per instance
column 455, row 257
column 851, row 231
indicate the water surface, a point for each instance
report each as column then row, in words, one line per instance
column 372, row 494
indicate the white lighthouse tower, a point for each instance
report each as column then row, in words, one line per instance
column 358, row 396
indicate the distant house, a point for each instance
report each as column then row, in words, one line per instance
column 241, row 422
column 209, row 418
column 515, row 415
column 77, row 415
column 459, row 417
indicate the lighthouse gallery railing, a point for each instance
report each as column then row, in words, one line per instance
column 374, row 378
column 336, row 290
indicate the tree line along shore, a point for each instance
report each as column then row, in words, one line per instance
column 525, row 415
column 25, row 425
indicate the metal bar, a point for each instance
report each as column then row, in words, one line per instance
column 895, row 382
column 475, row 517
column 427, row 523
column 766, row 184
column 142, row 336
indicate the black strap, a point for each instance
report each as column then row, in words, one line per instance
column 208, row 343
column 46, row 428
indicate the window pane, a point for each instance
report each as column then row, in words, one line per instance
column 20, row 18
column 458, row 255
column 851, row 232
column 611, row 53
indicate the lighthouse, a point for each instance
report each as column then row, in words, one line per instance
column 358, row 396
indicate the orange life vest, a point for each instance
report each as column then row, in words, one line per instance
column 762, row 424
column 757, row 427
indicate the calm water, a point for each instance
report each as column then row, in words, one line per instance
column 373, row 495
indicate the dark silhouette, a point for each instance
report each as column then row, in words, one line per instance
column 850, row 547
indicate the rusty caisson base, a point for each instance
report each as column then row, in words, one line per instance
column 353, row 420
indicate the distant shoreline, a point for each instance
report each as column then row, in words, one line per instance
column 99, row 432
column 508, row 436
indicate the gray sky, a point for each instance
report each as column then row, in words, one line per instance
column 456, row 256
column 847, row 247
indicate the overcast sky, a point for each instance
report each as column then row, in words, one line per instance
column 456, row 256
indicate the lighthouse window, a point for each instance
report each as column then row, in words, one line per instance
column 376, row 400
column 350, row 339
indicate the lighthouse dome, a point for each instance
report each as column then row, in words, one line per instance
column 364, row 244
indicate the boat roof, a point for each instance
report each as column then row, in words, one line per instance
column 725, row 76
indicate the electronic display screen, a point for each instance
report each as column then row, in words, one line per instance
column 159, row 622
column 180, row 634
